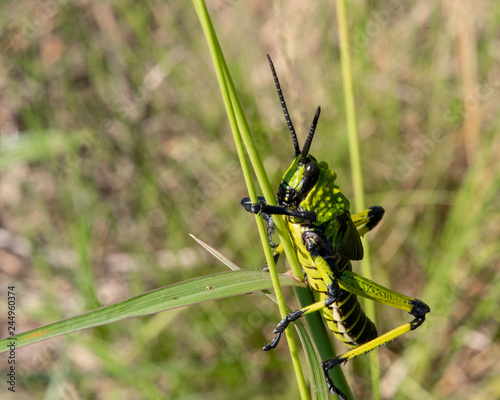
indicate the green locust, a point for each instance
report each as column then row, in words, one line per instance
column 326, row 238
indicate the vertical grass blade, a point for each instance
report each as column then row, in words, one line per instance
column 357, row 177
column 240, row 129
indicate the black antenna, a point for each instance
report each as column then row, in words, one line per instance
column 309, row 139
column 285, row 110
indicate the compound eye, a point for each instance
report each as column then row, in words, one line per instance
column 310, row 169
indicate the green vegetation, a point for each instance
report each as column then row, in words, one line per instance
column 115, row 146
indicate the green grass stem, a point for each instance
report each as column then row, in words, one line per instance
column 356, row 170
column 240, row 129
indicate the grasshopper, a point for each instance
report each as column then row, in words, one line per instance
column 326, row 238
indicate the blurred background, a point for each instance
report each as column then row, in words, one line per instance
column 115, row 146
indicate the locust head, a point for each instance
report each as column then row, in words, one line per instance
column 303, row 174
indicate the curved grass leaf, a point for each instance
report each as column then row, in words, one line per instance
column 317, row 378
column 181, row 294
column 222, row 258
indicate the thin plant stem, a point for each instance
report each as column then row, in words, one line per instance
column 240, row 129
column 357, row 176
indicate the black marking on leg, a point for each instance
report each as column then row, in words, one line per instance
column 334, row 290
column 419, row 308
column 327, row 366
column 270, row 229
column 375, row 215
column 281, row 327
column 254, row 208
column 333, row 362
column 317, row 246
column 416, row 323
column 419, row 311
